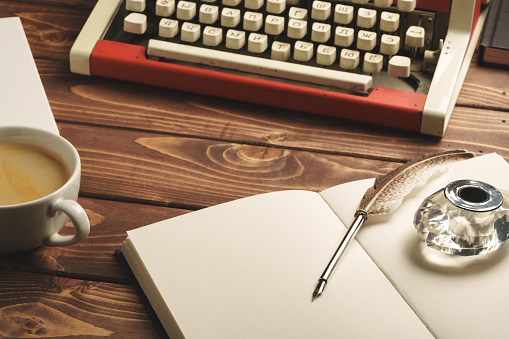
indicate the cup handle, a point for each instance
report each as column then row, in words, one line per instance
column 79, row 220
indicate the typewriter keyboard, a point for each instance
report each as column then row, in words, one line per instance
column 347, row 45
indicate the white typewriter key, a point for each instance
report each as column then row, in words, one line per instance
column 297, row 29
column 165, row 8
column 274, row 25
column 382, row 3
column 366, row 18
column 298, row 13
column 190, row 32
column 399, row 66
column 320, row 32
column 135, row 5
column 235, row 39
column 280, row 51
column 135, row 23
column 389, row 44
column 406, row 5
column 349, row 59
column 253, row 21
column 231, row 3
column 212, row 36
column 275, row 6
column 325, row 55
column 343, row 14
column 168, row 28
column 373, row 63
column 321, row 10
column 230, row 17
column 209, row 14
column 343, row 36
column 253, row 4
column 257, row 43
column 366, row 40
column 303, row 51
column 415, row 36
column 186, row 10
column 389, row 21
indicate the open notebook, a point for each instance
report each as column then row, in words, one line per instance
column 23, row 101
column 247, row 269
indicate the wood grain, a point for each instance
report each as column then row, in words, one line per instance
column 195, row 173
column 92, row 259
column 481, row 113
column 42, row 306
column 149, row 154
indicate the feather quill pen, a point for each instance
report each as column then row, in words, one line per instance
column 387, row 194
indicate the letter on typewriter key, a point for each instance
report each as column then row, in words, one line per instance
column 280, row 51
column 303, row 51
column 208, row 14
column 257, row 43
column 415, row 36
column 253, row 21
column 321, row 10
column 344, row 36
column 297, row 29
column 366, row 18
column 366, row 40
column 349, row 59
column 230, row 17
column 321, row 32
column 343, row 14
column 186, row 10
column 165, row 8
column 212, row 36
column 298, row 13
column 275, row 6
column 389, row 44
column 190, row 32
column 274, row 25
column 389, row 22
column 373, row 63
column 235, row 39
column 168, row 28
column 325, row 55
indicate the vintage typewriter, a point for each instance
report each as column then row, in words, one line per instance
column 396, row 63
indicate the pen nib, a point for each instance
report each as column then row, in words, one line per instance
column 319, row 288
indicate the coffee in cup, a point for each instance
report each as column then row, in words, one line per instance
column 39, row 183
column 29, row 172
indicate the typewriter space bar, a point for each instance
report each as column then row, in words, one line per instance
column 268, row 67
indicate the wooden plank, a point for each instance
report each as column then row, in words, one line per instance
column 177, row 171
column 110, row 103
column 486, row 87
column 52, row 28
column 38, row 306
column 92, row 259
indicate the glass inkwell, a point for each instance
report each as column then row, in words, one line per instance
column 466, row 218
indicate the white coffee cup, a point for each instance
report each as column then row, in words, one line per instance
column 30, row 224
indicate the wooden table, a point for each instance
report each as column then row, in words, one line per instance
column 150, row 154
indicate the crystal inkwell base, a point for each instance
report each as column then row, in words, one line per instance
column 467, row 217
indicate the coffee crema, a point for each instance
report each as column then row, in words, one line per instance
column 29, row 172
